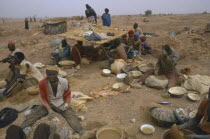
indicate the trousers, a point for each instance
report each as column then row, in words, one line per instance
column 41, row 111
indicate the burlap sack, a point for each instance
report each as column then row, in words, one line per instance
column 198, row 83
column 158, row 82
column 117, row 66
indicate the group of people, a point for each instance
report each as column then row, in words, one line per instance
column 55, row 91
column 132, row 45
column 92, row 16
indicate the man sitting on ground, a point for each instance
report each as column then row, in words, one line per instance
column 56, row 95
column 77, row 52
column 146, row 47
column 23, row 75
column 119, row 52
column 166, row 65
column 196, row 124
column 13, row 49
column 61, row 52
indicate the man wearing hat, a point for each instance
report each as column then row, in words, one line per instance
column 56, row 95
column 200, row 124
column 13, row 49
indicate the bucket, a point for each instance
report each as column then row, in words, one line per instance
column 167, row 135
column 109, row 132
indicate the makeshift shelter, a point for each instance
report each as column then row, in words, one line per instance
column 79, row 34
column 55, row 26
column 207, row 28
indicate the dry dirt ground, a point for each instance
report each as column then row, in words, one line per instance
column 114, row 110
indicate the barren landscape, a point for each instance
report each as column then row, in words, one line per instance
column 118, row 110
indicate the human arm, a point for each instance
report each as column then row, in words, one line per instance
column 194, row 136
column 192, row 122
column 65, row 52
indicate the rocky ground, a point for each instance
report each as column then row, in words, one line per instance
column 117, row 110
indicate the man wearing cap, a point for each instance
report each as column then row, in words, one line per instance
column 56, row 95
column 200, row 124
column 13, row 49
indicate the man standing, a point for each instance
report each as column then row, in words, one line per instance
column 23, row 74
column 166, row 65
column 26, row 24
column 106, row 17
column 91, row 15
column 196, row 124
column 61, row 52
column 137, row 29
column 56, row 95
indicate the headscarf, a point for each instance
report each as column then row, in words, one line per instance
column 131, row 32
column 11, row 43
column 136, row 34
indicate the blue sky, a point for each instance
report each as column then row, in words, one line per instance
column 53, row 8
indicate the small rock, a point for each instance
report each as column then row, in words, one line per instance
column 165, row 95
column 133, row 120
column 55, row 119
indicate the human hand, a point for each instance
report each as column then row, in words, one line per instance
column 156, row 72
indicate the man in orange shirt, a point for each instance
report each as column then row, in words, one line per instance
column 200, row 124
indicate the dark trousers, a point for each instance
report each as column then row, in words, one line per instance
column 41, row 111
column 42, row 131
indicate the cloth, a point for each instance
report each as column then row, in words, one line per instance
column 203, row 111
column 63, row 53
column 173, row 78
column 41, row 111
column 57, row 99
column 131, row 31
column 92, row 19
column 93, row 37
column 7, row 116
column 15, row 132
column 139, row 31
column 198, row 83
column 11, row 43
column 146, row 48
column 106, row 19
column 63, row 94
column 42, row 131
column 15, row 51
column 55, row 42
column 168, row 62
column 31, row 72
column 121, row 53
column 78, row 101
column 77, row 52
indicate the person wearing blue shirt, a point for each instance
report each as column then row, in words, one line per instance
column 61, row 52
column 106, row 17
